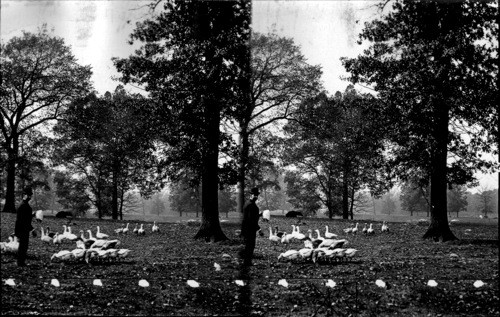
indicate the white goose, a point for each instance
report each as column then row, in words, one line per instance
column 155, row 228
column 141, row 230
column 58, row 238
column 125, row 230
column 44, row 237
column 100, row 235
column 319, row 237
column 329, row 235
column 355, row 229
column 286, row 238
column 69, row 235
column 384, row 228
column 350, row 252
column 298, row 235
column 12, row 245
column 136, row 230
column 370, row 230
column 332, row 243
column 78, row 253
column 119, row 230
column 123, row 253
column 365, row 229
column 62, row 255
column 306, row 253
column 272, row 236
column 289, row 255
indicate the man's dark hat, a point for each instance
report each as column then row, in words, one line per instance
column 255, row 191
column 28, row 191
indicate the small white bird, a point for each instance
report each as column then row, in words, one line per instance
column 136, row 230
column 285, row 239
column 348, row 230
column 123, row 253
column 384, row 227
column 298, row 235
column 289, row 255
column 350, row 252
column 370, row 230
column 78, row 253
column 119, row 230
column 155, row 228
column 97, row 282
column 141, row 230
column 69, row 235
column 306, row 253
column 62, row 255
column 365, row 229
column 328, row 234
column 319, row 237
column 355, row 229
column 55, row 282
column 272, row 236
column 125, row 230
column 58, row 238
column 100, row 235
column 44, row 237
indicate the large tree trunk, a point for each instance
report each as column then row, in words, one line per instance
column 439, row 228
column 210, row 228
column 243, row 156
column 10, row 194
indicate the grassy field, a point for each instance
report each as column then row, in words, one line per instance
column 167, row 260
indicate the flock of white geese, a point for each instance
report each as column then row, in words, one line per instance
column 327, row 248
column 94, row 248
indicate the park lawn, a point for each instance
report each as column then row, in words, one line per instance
column 167, row 260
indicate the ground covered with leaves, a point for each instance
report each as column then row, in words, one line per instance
column 392, row 274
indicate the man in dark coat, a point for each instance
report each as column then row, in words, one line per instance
column 23, row 226
column 250, row 226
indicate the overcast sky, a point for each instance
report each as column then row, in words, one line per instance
column 98, row 30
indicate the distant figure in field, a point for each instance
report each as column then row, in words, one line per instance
column 23, row 226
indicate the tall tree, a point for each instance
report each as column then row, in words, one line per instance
column 40, row 76
column 434, row 66
column 194, row 65
column 281, row 78
column 337, row 142
column 108, row 141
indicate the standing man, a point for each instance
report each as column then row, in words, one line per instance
column 250, row 226
column 23, row 226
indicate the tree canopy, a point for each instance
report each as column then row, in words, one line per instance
column 40, row 76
